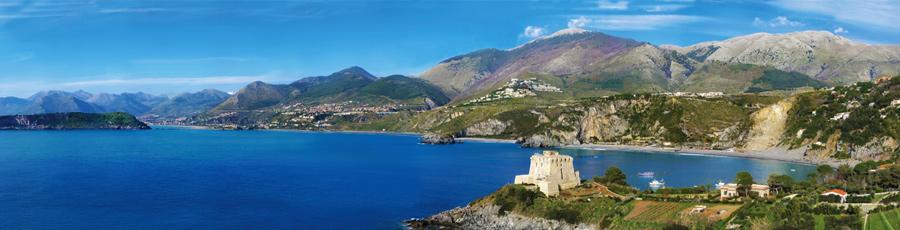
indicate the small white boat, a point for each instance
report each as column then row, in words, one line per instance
column 657, row 184
column 646, row 174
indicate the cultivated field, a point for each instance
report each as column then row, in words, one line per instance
column 665, row 212
column 887, row 220
column 655, row 211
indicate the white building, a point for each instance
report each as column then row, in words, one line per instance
column 731, row 190
column 551, row 172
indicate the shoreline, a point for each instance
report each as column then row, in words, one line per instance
column 775, row 154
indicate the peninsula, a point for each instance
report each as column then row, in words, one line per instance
column 73, row 120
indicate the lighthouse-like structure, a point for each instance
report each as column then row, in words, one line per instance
column 551, row 172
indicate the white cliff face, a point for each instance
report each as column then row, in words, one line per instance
column 551, row 172
column 768, row 126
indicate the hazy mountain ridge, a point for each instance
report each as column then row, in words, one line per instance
column 139, row 103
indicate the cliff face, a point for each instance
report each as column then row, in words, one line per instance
column 768, row 126
column 75, row 120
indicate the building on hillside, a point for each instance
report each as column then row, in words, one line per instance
column 837, row 192
column 731, row 190
column 551, row 172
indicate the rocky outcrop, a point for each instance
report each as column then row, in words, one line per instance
column 476, row 217
column 489, row 127
column 539, row 141
column 437, row 139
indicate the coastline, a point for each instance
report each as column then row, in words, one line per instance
column 775, row 154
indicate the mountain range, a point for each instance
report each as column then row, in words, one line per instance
column 55, row 101
column 351, row 84
column 592, row 63
column 581, row 63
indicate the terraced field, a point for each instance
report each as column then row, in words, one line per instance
column 887, row 220
column 655, row 211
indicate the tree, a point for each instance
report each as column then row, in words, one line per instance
column 744, row 181
column 825, row 171
column 781, row 183
column 614, row 175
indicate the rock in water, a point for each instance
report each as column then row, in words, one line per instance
column 437, row 139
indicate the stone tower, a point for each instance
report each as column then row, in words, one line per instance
column 551, row 172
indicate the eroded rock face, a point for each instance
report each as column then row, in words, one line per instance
column 875, row 149
column 768, row 126
column 437, row 139
column 488, row 218
column 489, row 127
column 601, row 124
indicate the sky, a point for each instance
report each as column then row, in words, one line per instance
column 169, row 47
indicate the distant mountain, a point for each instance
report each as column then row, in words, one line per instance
column 351, row 84
column 404, row 88
column 582, row 59
column 255, row 95
column 190, row 103
column 60, row 102
column 12, row 105
column 129, row 103
column 586, row 64
column 139, row 103
column 819, row 54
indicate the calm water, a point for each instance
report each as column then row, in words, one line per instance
column 188, row 179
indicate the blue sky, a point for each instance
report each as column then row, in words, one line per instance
column 167, row 47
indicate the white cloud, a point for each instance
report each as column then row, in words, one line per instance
column 875, row 14
column 841, row 30
column 533, row 31
column 131, row 10
column 780, row 21
column 663, row 8
column 22, row 58
column 610, row 5
column 636, row 22
column 578, row 22
column 200, row 60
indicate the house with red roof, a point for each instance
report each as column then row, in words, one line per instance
column 836, row 192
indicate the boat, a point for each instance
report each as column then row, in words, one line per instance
column 657, row 184
column 646, row 174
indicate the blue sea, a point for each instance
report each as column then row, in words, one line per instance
column 206, row 179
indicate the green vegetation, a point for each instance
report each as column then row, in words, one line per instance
column 73, row 120
column 773, row 79
column 519, row 199
column 856, row 114
column 613, row 175
column 884, row 220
